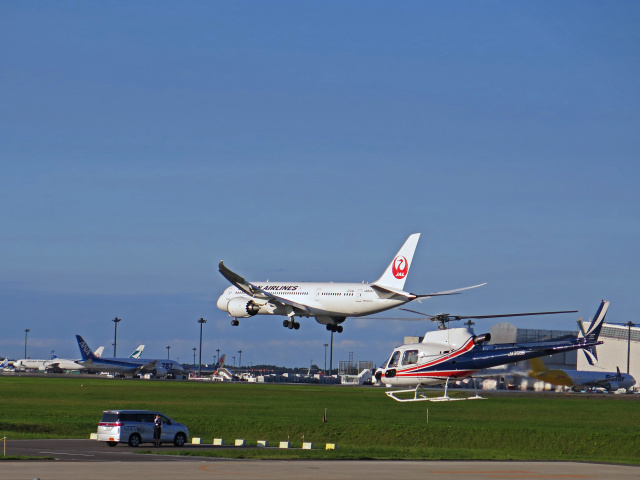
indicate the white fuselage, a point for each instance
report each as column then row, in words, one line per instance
column 44, row 365
column 320, row 299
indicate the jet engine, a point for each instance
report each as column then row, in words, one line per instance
column 242, row 308
column 612, row 386
column 159, row 372
column 478, row 339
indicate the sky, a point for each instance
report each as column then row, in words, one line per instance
column 143, row 142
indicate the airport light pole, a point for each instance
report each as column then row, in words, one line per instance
column 234, row 361
column 26, row 332
column 115, row 336
column 194, row 355
column 218, row 357
column 629, row 324
column 240, row 359
column 325, row 358
column 168, row 348
column 331, row 356
column 201, row 322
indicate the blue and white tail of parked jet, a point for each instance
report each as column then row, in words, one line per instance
column 127, row 366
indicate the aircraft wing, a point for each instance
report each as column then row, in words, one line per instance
column 255, row 291
column 148, row 366
column 240, row 282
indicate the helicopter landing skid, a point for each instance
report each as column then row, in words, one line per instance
column 419, row 397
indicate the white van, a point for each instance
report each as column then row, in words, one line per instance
column 136, row 426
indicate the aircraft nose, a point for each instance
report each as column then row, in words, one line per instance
column 222, row 302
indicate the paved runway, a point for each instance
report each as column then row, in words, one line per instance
column 86, row 459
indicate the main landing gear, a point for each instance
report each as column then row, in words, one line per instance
column 334, row 328
column 291, row 324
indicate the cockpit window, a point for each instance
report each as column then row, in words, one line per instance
column 410, row 357
column 394, row 359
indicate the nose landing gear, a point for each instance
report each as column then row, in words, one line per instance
column 235, row 322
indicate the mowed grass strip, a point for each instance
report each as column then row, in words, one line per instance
column 363, row 422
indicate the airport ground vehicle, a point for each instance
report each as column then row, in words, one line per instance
column 136, row 426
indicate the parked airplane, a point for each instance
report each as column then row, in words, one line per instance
column 330, row 303
column 62, row 364
column 458, row 353
column 5, row 367
column 53, row 365
column 131, row 366
column 610, row 381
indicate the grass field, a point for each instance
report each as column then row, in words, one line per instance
column 363, row 422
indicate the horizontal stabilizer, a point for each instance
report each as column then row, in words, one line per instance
column 450, row 292
column 394, row 291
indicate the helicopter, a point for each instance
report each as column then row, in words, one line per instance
column 457, row 353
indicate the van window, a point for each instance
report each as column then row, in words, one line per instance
column 128, row 417
column 146, row 417
column 109, row 417
column 410, row 357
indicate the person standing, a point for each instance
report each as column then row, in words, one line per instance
column 157, row 430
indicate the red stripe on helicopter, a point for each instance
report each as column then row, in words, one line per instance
column 456, row 353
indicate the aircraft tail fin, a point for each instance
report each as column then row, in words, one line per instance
column 593, row 332
column 537, row 365
column 98, row 352
column 5, row 363
column 137, row 352
column 85, row 351
column 396, row 273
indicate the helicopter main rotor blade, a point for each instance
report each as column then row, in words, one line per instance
column 512, row 314
column 415, row 311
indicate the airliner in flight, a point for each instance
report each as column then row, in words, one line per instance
column 330, row 303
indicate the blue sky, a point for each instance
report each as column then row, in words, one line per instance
column 143, row 142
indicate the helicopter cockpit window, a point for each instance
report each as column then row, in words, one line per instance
column 410, row 357
column 394, row 359
column 384, row 364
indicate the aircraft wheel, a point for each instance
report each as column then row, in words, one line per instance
column 296, row 325
column 285, row 324
column 291, row 324
column 329, row 327
column 339, row 329
column 235, row 322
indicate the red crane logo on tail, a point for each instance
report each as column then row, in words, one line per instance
column 400, row 267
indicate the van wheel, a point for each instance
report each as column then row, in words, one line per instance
column 112, row 444
column 134, row 440
column 180, row 439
